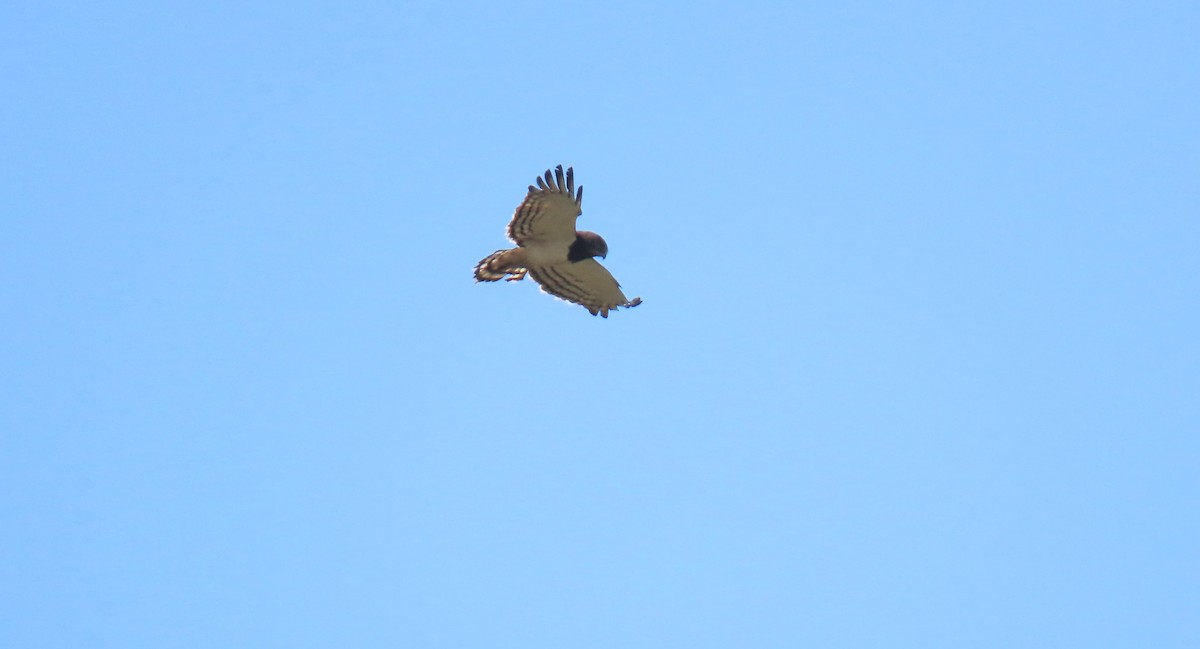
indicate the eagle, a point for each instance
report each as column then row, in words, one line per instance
column 561, row 259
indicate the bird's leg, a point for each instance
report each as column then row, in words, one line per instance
column 516, row 275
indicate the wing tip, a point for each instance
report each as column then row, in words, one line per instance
column 602, row 311
column 557, row 180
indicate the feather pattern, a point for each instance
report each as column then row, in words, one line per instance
column 549, row 211
column 586, row 283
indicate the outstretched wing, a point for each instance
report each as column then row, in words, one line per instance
column 548, row 212
column 583, row 282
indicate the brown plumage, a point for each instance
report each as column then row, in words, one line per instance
column 561, row 259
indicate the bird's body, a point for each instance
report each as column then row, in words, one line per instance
column 560, row 258
column 546, row 254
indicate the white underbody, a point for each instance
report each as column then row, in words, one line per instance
column 542, row 254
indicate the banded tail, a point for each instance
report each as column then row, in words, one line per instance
column 495, row 266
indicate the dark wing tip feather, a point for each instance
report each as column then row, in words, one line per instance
column 560, row 181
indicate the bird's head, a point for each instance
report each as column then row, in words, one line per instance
column 587, row 244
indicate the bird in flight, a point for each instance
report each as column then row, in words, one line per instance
column 561, row 259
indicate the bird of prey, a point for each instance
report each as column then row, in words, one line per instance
column 559, row 258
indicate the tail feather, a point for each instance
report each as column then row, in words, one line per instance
column 498, row 264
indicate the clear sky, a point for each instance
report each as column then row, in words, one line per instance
column 918, row 363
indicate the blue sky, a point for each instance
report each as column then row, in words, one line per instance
column 917, row 366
